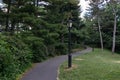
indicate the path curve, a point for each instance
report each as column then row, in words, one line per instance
column 48, row 70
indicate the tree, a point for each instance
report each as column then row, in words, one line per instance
column 114, row 5
column 8, row 11
column 96, row 14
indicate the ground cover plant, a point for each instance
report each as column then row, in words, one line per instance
column 95, row 65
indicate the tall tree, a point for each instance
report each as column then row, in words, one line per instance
column 96, row 13
column 114, row 6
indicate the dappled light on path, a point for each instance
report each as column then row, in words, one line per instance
column 116, row 62
column 78, row 59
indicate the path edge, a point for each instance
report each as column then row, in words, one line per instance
column 58, row 70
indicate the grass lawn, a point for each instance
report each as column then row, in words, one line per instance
column 95, row 65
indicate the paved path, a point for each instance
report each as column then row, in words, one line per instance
column 48, row 70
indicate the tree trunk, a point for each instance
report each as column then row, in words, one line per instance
column 101, row 39
column 7, row 17
column 37, row 3
column 34, row 1
column 12, row 27
column 114, row 34
column 18, row 4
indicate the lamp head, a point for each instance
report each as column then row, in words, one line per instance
column 70, row 23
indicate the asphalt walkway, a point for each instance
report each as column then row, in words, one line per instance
column 48, row 70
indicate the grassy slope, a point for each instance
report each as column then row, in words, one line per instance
column 96, row 65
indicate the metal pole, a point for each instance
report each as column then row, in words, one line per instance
column 69, row 48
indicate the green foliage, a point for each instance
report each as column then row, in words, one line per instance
column 61, row 49
column 106, row 23
column 15, row 56
column 39, row 50
column 20, row 51
column 35, row 33
column 7, row 62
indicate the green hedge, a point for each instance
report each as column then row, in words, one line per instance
column 61, row 48
column 15, row 56
column 39, row 50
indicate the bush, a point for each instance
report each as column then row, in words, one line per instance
column 8, row 67
column 61, row 49
column 14, row 57
column 38, row 48
column 51, row 50
column 20, row 50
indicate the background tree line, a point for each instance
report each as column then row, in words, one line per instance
column 102, row 20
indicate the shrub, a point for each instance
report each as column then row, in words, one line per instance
column 38, row 48
column 14, row 57
column 51, row 50
column 8, row 63
column 20, row 50
column 61, row 49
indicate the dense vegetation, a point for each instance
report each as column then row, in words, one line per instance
column 32, row 32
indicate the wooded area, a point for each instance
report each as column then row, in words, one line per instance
column 31, row 31
column 103, row 19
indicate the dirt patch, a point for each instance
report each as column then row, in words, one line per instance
column 79, row 59
column 77, row 50
column 117, row 62
column 74, row 66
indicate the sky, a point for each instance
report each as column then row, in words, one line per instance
column 84, row 5
column 0, row 1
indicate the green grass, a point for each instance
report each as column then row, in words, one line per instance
column 95, row 65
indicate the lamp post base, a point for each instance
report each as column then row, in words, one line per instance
column 69, row 61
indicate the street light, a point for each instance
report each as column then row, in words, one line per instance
column 69, row 44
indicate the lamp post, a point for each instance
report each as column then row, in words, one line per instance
column 69, row 44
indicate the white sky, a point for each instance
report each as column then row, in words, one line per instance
column 1, row 1
column 84, row 5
